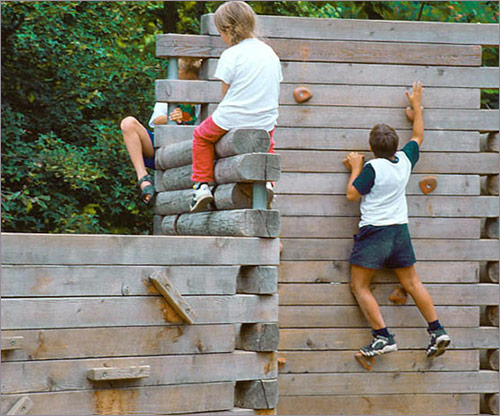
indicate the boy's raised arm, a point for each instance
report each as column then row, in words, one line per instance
column 354, row 162
column 415, row 99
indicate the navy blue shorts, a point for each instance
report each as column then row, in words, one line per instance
column 149, row 162
column 385, row 246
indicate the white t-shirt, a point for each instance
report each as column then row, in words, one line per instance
column 161, row 109
column 253, row 72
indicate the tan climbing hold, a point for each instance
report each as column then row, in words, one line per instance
column 302, row 94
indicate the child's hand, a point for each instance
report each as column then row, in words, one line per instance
column 347, row 164
column 415, row 98
column 354, row 161
column 176, row 115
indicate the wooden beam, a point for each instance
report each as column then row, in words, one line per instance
column 261, row 280
column 256, row 394
column 22, row 406
column 12, row 343
column 257, row 337
column 489, row 359
column 489, row 403
column 492, row 271
column 117, row 373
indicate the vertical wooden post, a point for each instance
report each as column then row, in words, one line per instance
column 172, row 73
column 259, row 195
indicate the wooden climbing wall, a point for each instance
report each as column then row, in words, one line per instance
column 358, row 71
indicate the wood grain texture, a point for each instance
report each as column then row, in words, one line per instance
column 262, row 280
column 257, row 337
column 256, row 394
column 21, row 407
column 116, row 373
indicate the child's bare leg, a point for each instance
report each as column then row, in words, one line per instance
column 360, row 286
column 138, row 144
column 408, row 278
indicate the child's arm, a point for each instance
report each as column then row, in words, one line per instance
column 225, row 87
column 354, row 162
column 415, row 99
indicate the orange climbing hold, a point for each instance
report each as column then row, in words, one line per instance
column 366, row 362
column 302, row 94
column 399, row 296
column 428, row 184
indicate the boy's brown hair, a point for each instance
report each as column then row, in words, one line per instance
column 190, row 66
column 237, row 19
column 383, row 140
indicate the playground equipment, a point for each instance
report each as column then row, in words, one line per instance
column 74, row 304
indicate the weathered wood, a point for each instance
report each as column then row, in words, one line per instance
column 239, row 223
column 174, row 179
column 434, row 163
column 256, row 394
column 489, row 359
column 169, row 292
column 373, row 30
column 418, row 206
column 345, row 227
column 339, row 272
column 336, row 95
column 136, row 341
column 166, row 135
column 236, row 141
column 12, row 343
column 125, row 311
column 489, row 404
column 352, row 317
column 489, row 185
column 199, row 46
column 48, row 249
column 491, row 228
column 376, row 383
column 257, row 337
column 22, row 407
column 386, row 404
column 118, row 401
column 492, row 142
column 163, row 370
column 436, row 250
column 490, row 316
column 340, row 294
column 335, row 183
column 116, row 373
column 301, row 362
column 492, row 271
column 317, row 339
column 262, row 280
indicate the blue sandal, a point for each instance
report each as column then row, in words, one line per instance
column 148, row 191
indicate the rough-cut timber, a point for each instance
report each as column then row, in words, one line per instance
column 258, row 337
column 21, row 407
column 12, row 343
column 116, row 373
column 256, row 394
column 262, row 280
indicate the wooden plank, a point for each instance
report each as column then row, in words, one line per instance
column 240, row 223
column 22, row 406
column 12, row 343
column 164, row 370
column 489, row 185
column 335, row 183
column 373, row 30
column 488, row 359
column 489, row 403
column 339, row 272
column 117, row 401
column 441, row 163
column 200, row 46
column 170, row 134
column 390, row 75
column 345, row 227
column 289, row 138
column 300, row 362
column 490, row 316
column 442, row 250
column 33, row 281
column 257, row 337
column 103, row 311
column 394, row 316
column 492, row 272
column 256, row 394
column 50, row 344
column 332, row 95
column 387, row 404
column 418, row 206
column 169, row 292
column 61, row 249
column 340, row 294
column 314, row 339
column 379, row 383
column 261, row 280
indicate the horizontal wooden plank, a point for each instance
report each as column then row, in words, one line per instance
column 382, row 383
column 362, row 29
column 48, row 249
column 394, row 316
column 386, row 404
column 346, row 227
column 118, row 401
column 418, row 206
column 110, row 373
column 376, row 74
column 200, row 46
column 19, row 281
column 300, row 362
column 122, row 341
column 164, row 370
column 441, row 250
column 202, row 92
column 132, row 311
column 435, row 163
column 340, row 294
column 339, row 272
column 314, row 339
column 12, row 343
column 335, row 183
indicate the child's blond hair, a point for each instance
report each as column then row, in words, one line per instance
column 190, row 65
column 237, row 19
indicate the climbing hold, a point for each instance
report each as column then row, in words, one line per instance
column 428, row 184
column 281, row 362
column 366, row 362
column 302, row 94
column 399, row 296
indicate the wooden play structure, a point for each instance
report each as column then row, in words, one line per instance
column 186, row 321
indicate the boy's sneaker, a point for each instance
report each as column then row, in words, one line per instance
column 379, row 345
column 202, row 196
column 438, row 342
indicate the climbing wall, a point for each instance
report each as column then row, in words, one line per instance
column 357, row 72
